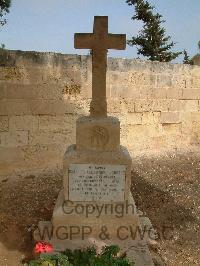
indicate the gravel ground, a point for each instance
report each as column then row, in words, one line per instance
column 166, row 188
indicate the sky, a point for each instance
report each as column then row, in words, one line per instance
column 49, row 25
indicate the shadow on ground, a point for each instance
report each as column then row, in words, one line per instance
column 160, row 206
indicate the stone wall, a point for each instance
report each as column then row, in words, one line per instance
column 42, row 94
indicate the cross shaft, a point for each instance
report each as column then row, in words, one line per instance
column 99, row 41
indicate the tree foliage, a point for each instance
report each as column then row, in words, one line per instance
column 187, row 59
column 4, row 9
column 151, row 41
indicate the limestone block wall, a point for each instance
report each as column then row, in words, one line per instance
column 42, row 95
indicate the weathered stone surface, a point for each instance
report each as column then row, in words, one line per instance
column 134, row 119
column 143, row 106
column 123, row 91
column 170, row 117
column 56, row 89
column 3, row 123
column 99, row 42
column 57, row 123
column 13, row 139
column 195, row 116
column 175, row 105
column 174, row 93
column 25, row 122
column 138, row 251
column 150, row 118
column 164, row 81
column 172, row 128
column 52, row 137
column 190, row 105
column 67, row 213
column 14, row 107
column 152, row 105
column 196, row 83
column 191, row 94
column 50, row 107
column 114, row 105
column 100, row 134
column 195, row 139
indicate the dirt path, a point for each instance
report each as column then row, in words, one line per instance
column 165, row 188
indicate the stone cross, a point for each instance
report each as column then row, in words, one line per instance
column 99, row 41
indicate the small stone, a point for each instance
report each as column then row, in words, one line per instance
column 153, row 245
column 158, row 261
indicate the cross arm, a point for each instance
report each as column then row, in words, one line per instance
column 116, row 41
column 83, row 40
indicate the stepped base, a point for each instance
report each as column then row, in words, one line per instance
column 76, row 231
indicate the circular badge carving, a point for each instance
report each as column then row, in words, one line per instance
column 99, row 137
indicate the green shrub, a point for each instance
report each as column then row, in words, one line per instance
column 86, row 257
column 51, row 260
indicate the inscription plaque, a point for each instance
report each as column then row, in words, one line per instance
column 93, row 182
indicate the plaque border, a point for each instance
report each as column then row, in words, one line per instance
column 125, row 180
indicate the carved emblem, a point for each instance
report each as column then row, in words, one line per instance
column 99, row 137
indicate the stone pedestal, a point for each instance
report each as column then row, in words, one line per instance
column 96, row 205
column 97, row 176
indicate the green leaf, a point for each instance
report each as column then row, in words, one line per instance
column 33, row 263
